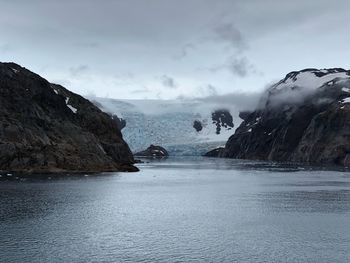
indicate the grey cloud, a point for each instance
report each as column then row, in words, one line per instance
column 240, row 101
column 5, row 47
column 125, row 78
column 88, row 19
column 159, row 95
column 294, row 95
column 63, row 82
column 138, row 91
column 181, row 97
column 168, row 82
column 227, row 33
column 238, row 66
column 211, row 90
column 88, row 44
column 230, row 34
column 127, row 75
column 185, row 50
column 208, row 90
column 243, row 101
column 77, row 71
column 143, row 36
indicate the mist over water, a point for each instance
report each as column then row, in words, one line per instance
column 179, row 210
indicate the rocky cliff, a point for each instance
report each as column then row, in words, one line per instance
column 46, row 128
column 303, row 118
column 222, row 119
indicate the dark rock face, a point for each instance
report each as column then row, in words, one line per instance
column 46, row 128
column 222, row 118
column 120, row 122
column 244, row 114
column 153, row 151
column 197, row 125
column 315, row 128
column 215, row 153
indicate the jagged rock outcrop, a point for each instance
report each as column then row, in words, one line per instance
column 153, row 151
column 197, row 125
column 120, row 122
column 46, row 128
column 244, row 114
column 303, row 118
column 222, row 119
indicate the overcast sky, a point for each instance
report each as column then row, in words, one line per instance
column 169, row 49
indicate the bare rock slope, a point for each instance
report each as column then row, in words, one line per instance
column 46, row 128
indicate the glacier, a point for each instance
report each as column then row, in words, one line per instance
column 169, row 123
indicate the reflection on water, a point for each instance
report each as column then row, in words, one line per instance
column 179, row 210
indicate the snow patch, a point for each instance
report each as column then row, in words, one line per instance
column 101, row 148
column 346, row 100
column 53, row 88
column 74, row 110
column 309, row 80
column 158, row 151
column 345, row 89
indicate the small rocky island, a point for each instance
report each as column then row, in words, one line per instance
column 303, row 118
column 153, row 151
column 44, row 128
column 217, row 152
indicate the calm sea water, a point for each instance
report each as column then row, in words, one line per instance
column 198, row 210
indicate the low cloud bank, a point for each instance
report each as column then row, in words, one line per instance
column 237, row 101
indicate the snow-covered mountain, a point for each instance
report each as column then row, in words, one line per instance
column 303, row 118
column 299, row 84
column 171, row 124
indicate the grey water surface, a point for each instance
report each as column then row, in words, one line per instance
column 179, row 210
